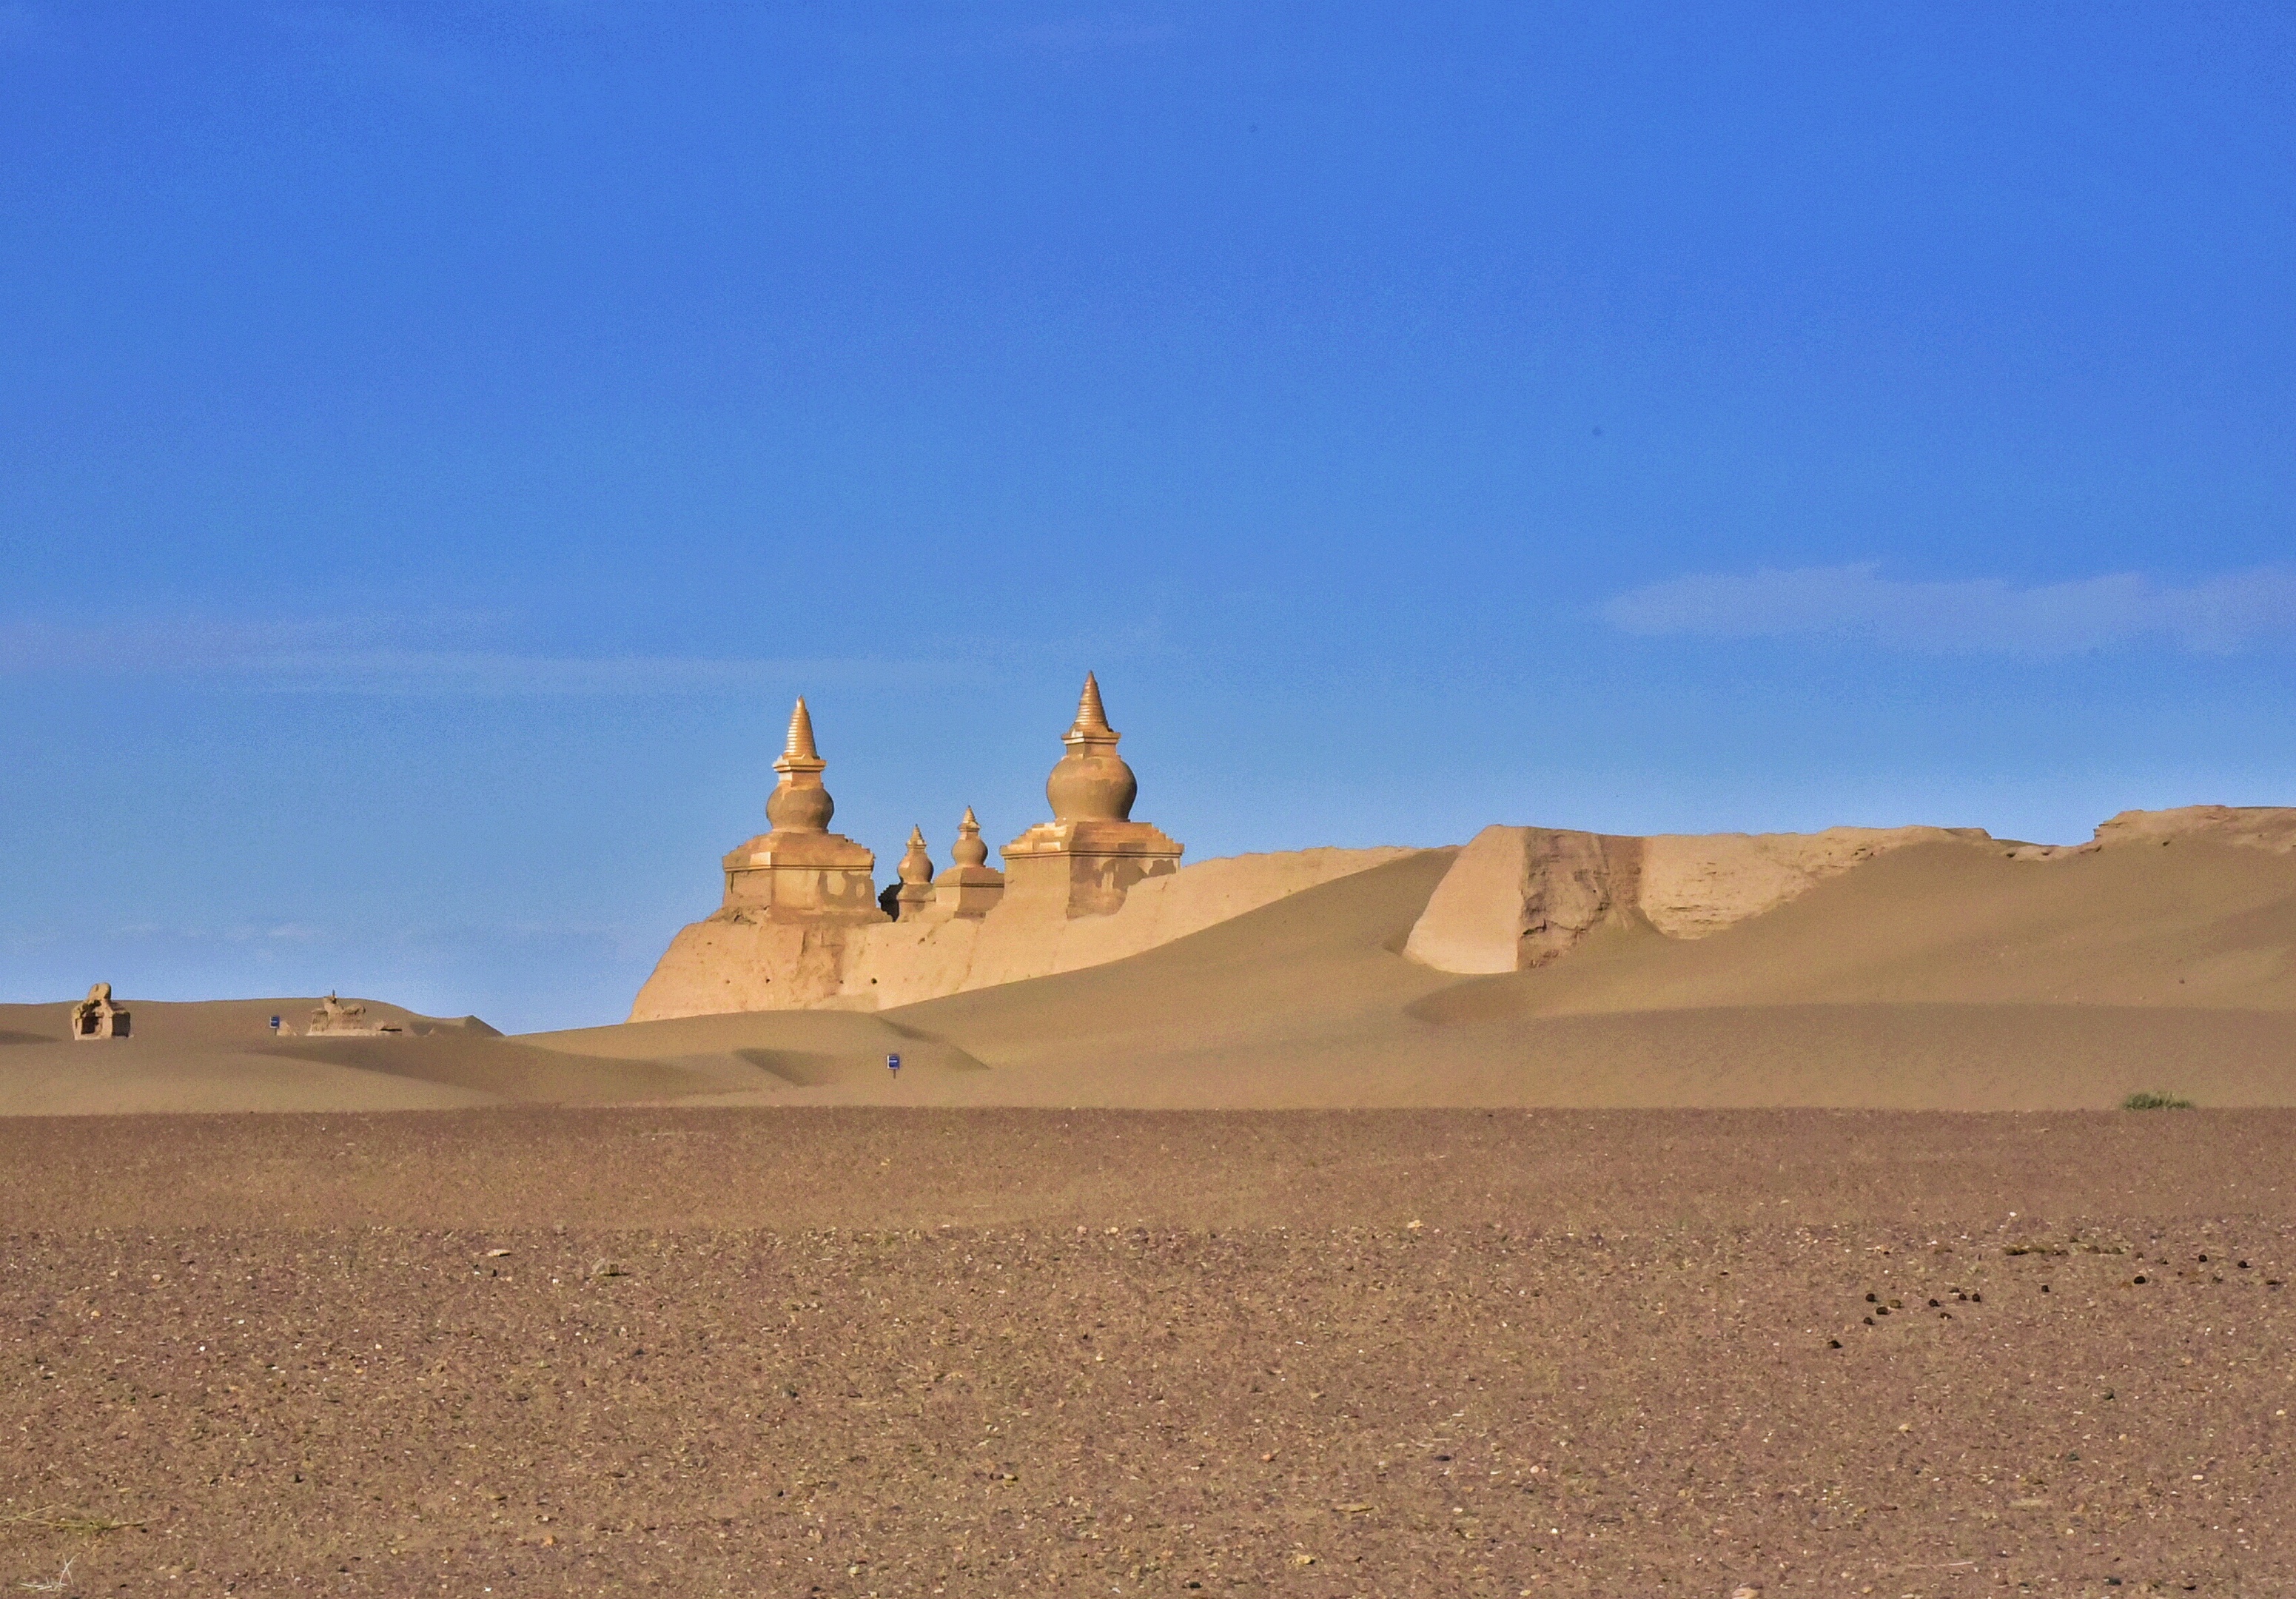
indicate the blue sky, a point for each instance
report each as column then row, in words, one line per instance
column 437, row 441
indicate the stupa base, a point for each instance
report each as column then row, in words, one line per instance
column 1085, row 868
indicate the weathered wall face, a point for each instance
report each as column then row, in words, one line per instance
column 732, row 964
column 2271, row 827
column 726, row 964
column 1693, row 885
column 1521, row 897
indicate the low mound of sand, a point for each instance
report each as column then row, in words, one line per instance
column 2203, row 926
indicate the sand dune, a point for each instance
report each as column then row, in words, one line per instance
column 1939, row 976
column 843, row 1052
column 2196, row 925
column 1956, row 973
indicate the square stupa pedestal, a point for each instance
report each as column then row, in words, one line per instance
column 1085, row 868
column 803, row 877
column 969, row 892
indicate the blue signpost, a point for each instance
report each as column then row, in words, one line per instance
column 893, row 1064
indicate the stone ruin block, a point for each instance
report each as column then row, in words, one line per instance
column 96, row 1017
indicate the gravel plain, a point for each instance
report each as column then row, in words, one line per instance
column 856, row 1352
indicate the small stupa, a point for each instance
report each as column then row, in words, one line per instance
column 970, row 886
column 1087, row 858
column 800, row 871
column 916, row 890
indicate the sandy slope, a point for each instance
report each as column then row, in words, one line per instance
column 1941, row 976
column 2192, row 924
column 1945, row 975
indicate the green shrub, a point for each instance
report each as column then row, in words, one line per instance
column 2155, row 1102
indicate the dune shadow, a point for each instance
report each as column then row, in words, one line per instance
column 1476, row 999
column 499, row 1066
column 815, row 1069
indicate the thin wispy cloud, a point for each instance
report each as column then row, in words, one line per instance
column 363, row 657
column 487, row 674
column 2215, row 616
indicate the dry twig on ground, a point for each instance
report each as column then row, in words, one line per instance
column 54, row 1517
column 50, row 1585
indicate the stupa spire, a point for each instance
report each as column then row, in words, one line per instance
column 1092, row 715
column 917, row 865
column 800, row 745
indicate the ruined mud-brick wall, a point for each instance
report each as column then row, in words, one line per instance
column 730, row 963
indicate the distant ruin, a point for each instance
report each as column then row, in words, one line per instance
column 346, row 1018
column 1079, row 863
column 96, row 1017
column 802, row 924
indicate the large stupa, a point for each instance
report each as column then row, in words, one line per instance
column 1083, row 861
column 800, row 871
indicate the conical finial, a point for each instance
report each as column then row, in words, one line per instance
column 969, row 850
column 798, row 753
column 801, row 734
column 1092, row 717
